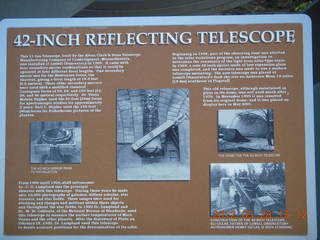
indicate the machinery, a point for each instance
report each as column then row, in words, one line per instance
column 150, row 143
column 253, row 197
column 55, row 145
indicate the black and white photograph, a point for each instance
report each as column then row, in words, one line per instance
column 153, row 135
column 246, row 130
column 241, row 187
column 55, row 142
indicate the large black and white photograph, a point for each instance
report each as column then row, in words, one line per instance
column 241, row 187
column 246, row 130
column 153, row 139
column 55, row 142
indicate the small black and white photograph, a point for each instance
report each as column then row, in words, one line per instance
column 241, row 187
column 246, row 130
column 55, row 142
column 153, row 139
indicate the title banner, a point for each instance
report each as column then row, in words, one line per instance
column 153, row 38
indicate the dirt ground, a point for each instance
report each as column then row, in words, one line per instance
column 270, row 6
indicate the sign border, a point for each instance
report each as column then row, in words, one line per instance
column 169, row 21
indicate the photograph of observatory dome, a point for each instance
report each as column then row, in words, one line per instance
column 55, row 142
column 246, row 130
column 247, row 188
column 153, row 134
